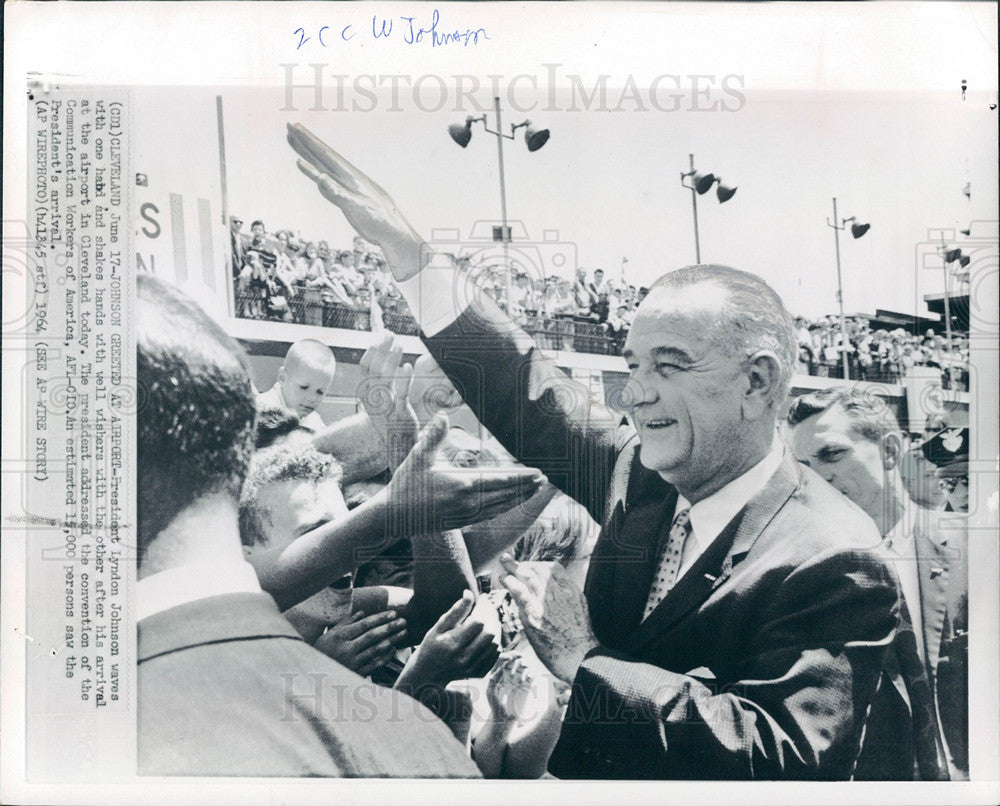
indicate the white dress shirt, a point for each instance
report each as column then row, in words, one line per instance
column 711, row 515
column 438, row 295
column 188, row 583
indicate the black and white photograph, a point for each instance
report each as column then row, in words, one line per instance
column 564, row 393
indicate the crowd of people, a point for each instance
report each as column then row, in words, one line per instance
column 278, row 277
column 879, row 355
column 282, row 278
column 723, row 585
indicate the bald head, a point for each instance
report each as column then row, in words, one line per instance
column 306, row 375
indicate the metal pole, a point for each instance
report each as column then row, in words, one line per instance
column 947, row 304
column 840, row 294
column 694, row 208
column 503, row 203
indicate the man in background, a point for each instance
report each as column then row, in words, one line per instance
column 853, row 440
column 225, row 684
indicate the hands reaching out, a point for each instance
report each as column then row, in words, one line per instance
column 431, row 496
column 384, row 393
column 363, row 643
column 456, row 647
column 554, row 613
column 367, row 207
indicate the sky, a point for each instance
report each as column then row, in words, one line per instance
column 861, row 103
column 608, row 183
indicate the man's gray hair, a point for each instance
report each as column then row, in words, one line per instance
column 276, row 464
column 754, row 318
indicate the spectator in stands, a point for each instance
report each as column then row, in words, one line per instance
column 237, row 245
column 254, row 286
column 262, row 244
column 219, row 670
column 303, row 380
column 584, row 296
column 597, row 286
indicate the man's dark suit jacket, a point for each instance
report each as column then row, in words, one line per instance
column 761, row 662
column 940, row 546
column 226, row 686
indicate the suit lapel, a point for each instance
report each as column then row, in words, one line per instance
column 714, row 567
column 622, row 564
column 932, row 567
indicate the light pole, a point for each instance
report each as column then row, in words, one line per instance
column 701, row 184
column 857, row 230
column 534, row 139
column 950, row 256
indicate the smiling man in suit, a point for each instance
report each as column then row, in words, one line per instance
column 737, row 609
column 852, row 439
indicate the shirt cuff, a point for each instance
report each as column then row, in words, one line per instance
column 437, row 296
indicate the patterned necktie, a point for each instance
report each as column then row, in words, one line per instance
column 671, row 553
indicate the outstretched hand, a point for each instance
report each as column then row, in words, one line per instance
column 456, row 647
column 429, row 496
column 364, row 643
column 367, row 207
column 384, row 393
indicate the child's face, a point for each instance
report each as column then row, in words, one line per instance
column 304, row 387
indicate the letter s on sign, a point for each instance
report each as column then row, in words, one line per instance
column 144, row 211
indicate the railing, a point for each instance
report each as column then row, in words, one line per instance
column 309, row 306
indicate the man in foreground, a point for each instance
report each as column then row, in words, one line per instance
column 737, row 609
column 852, row 440
column 225, row 685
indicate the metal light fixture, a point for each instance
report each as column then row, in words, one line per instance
column 461, row 133
column 857, row 230
column 724, row 192
column 534, row 139
column 700, row 184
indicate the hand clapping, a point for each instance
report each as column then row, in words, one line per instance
column 554, row 613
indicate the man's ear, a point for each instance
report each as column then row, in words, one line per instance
column 763, row 374
column 282, row 374
column 891, row 449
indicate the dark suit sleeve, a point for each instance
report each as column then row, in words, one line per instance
column 539, row 414
column 793, row 705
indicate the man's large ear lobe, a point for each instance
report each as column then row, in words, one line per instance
column 891, row 449
column 763, row 374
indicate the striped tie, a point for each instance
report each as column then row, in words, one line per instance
column 669, row 563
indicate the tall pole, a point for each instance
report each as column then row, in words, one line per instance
column 840, row 293
column 947, row 304
column 503, row 202
column 694, row 208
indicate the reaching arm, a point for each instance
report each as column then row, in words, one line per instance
column 542, row 417
column 420, row 498
column 356, row 444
